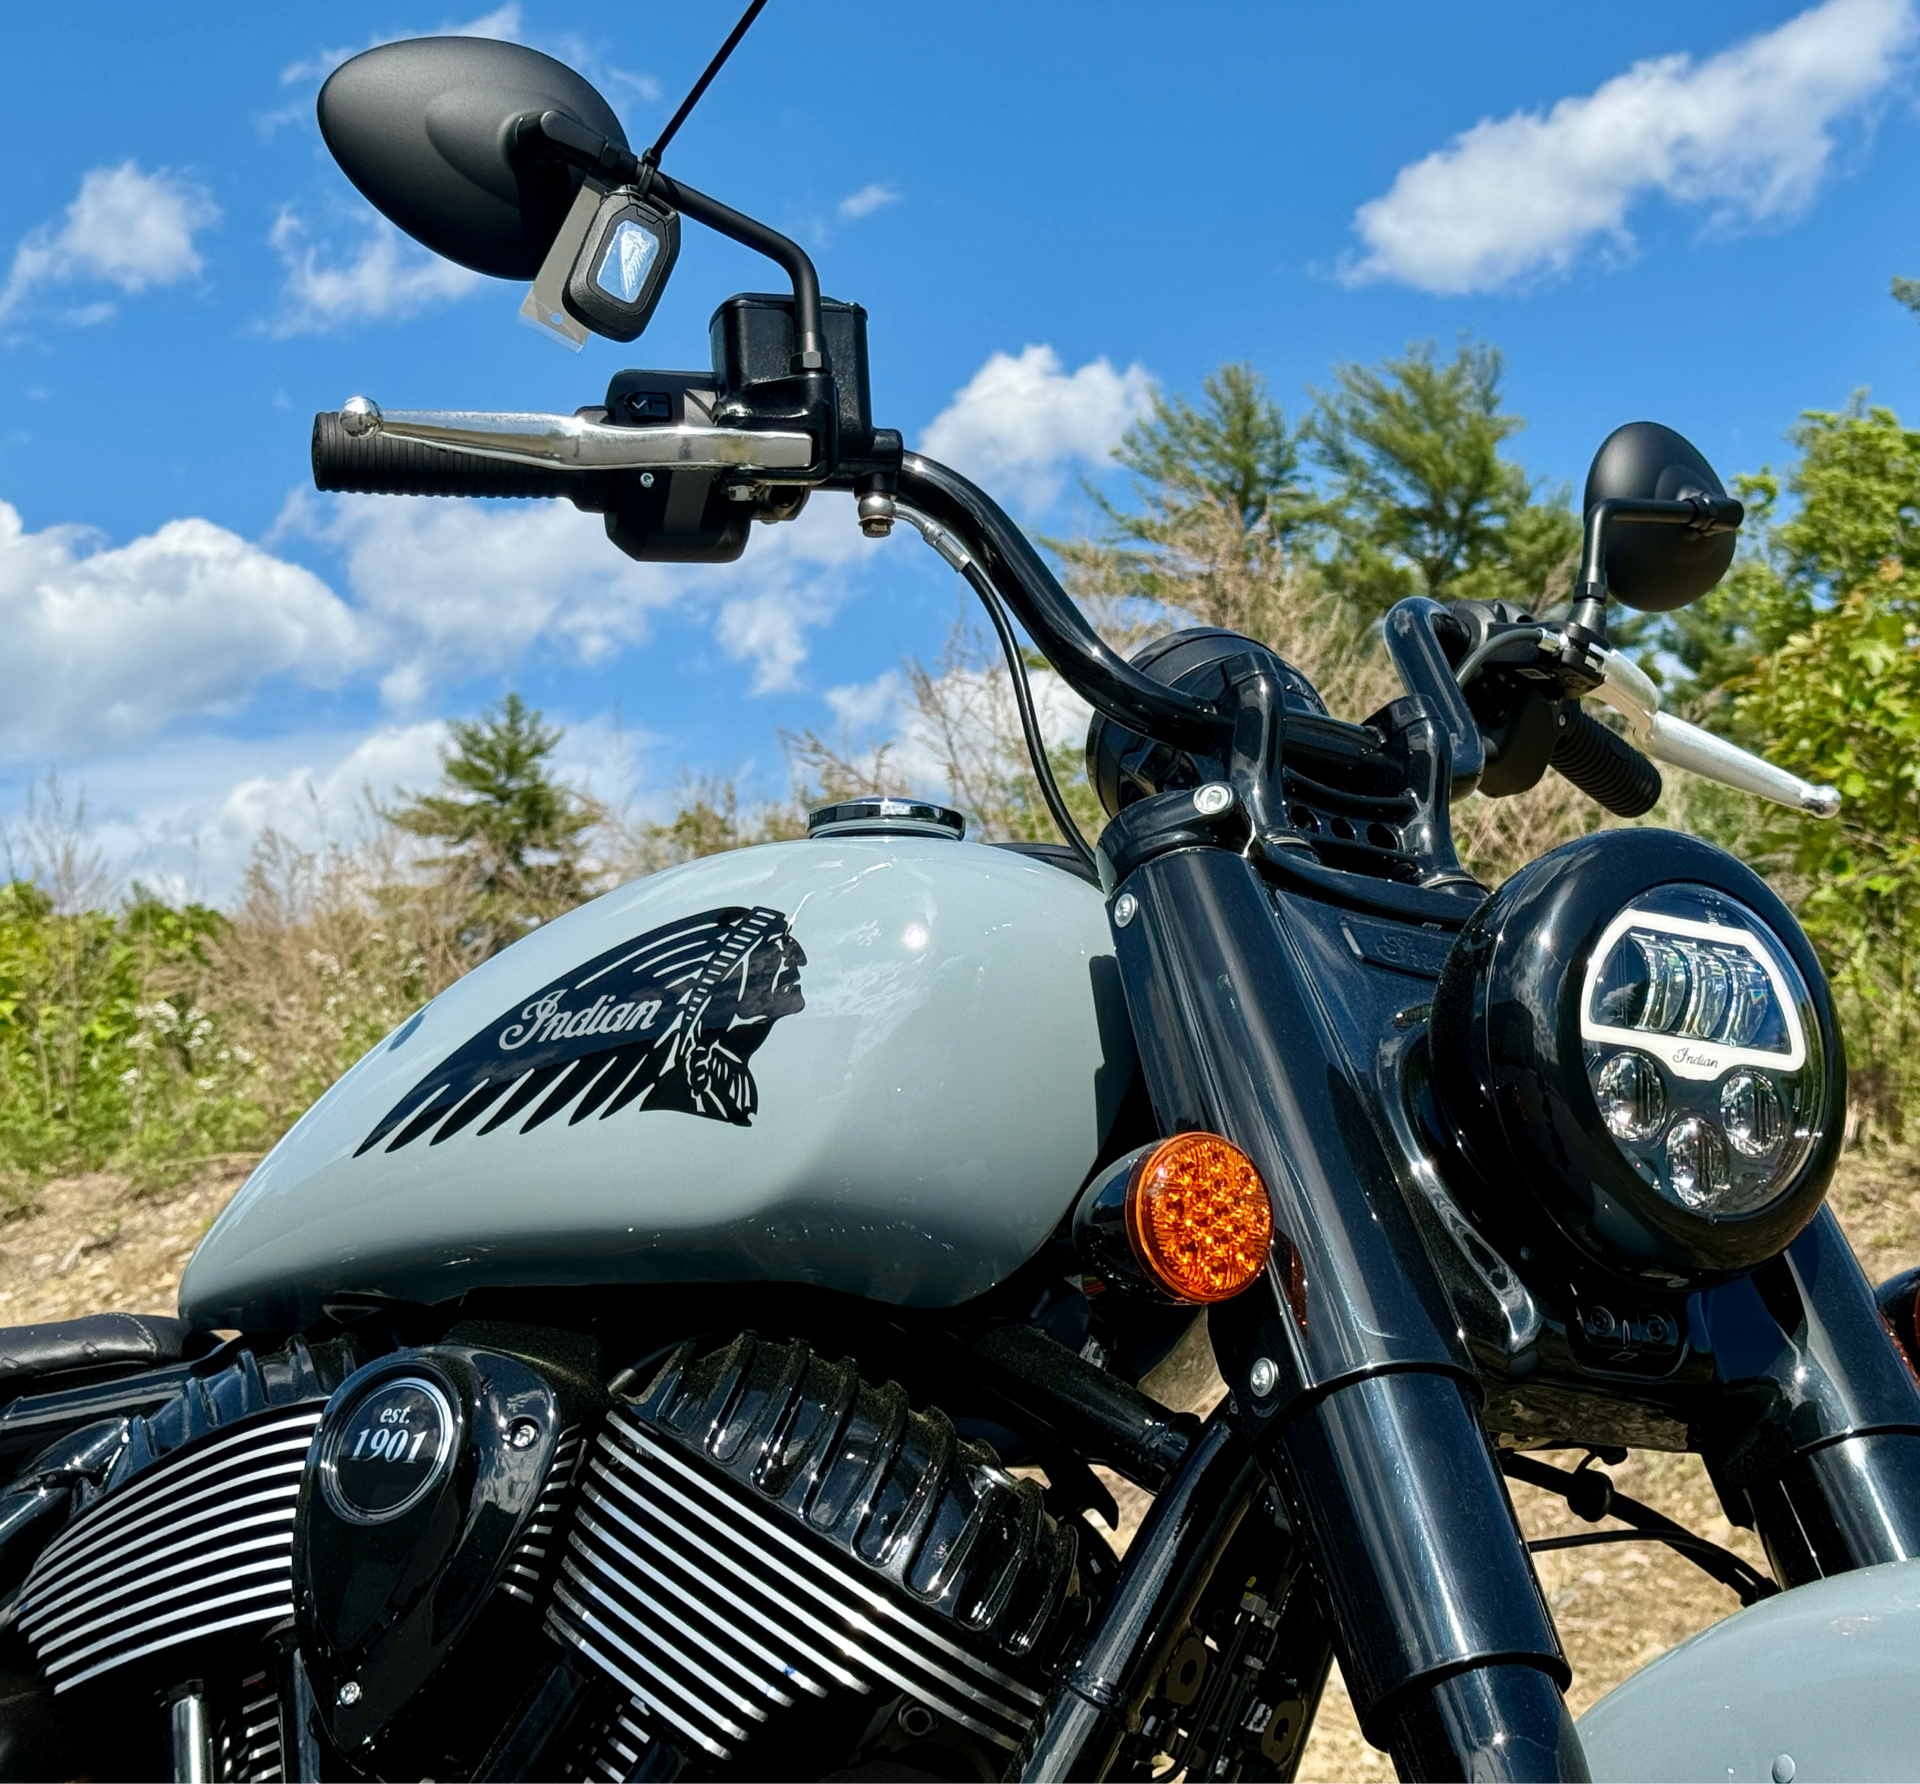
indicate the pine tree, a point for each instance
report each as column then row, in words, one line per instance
column 515, row 835
column 1423, row 502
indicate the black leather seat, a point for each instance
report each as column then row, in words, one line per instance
column 100, row 1341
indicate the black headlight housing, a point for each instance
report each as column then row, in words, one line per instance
column 1634, row 1049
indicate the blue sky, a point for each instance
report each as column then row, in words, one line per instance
column 1690, row 216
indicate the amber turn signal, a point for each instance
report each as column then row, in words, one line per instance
column 1198, row 1218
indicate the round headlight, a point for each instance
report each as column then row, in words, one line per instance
column 1633, row 1038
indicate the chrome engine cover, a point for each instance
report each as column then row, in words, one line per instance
column 753, row 1553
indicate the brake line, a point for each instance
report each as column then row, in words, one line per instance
column 1592, row 1496
column 959, row 558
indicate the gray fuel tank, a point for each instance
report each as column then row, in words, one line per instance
column 882, row 1065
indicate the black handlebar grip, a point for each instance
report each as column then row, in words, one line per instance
column 1604, row 765
column 376, row 464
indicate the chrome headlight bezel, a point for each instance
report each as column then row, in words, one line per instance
column 1517, row 1051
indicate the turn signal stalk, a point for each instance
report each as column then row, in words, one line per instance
column 1186, row 1220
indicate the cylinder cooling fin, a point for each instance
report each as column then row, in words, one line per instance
column 194, row 1547
column 458, row 1560
column 185, row 1531
column 761, row 1533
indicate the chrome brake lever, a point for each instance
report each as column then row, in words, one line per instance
column 1628, row 690
column 572, row 443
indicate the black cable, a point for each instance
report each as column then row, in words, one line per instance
column 1703, row 1554
column 703, row 83
column 1594, row 1501
column 1029, row 720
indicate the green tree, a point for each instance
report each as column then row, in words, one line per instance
column 514, row 834
column 1234, row 455
column 1828, row 614
column 1221, row 515
column 1907, row 291
column 1423, row 501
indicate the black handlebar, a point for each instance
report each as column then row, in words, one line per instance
column 1084, row 660
column 1601, row 764
column 377, row 464
column 1604, row 765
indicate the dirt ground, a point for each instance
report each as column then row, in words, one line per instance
column 92, row 1245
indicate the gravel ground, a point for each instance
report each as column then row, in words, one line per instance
column 92, row 1245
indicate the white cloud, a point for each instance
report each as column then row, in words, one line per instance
column 503, row 22
column 1024, row 418
column 769, row 628
column 864, row 705
column 184, row 815
column 458, row 588
column 865, row 202
column 386, row 278
column 314, row 801
column 1747, row 134
column 105, row 645
column 125, row 228
column 790, row 582
column 108, row 646
column 455, row 588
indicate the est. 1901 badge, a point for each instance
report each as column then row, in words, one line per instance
column 389, row 1451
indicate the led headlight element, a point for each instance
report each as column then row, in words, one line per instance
column 1705, row 995
column 1632, row 1047
column 1695, row 1029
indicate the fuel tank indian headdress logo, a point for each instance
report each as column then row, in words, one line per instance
column 669, row 1020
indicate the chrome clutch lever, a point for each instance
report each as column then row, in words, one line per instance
column 574, row 443
column 1628, row 690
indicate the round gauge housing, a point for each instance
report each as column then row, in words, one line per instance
column 1632, row 1039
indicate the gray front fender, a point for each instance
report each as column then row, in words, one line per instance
column 1821, row 1682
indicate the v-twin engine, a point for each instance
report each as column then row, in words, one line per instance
column 474, row 1558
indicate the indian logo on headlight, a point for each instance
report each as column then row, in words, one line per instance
column 669, row 1020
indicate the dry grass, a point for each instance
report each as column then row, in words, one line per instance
column 97, row 1245
column 93, row 1244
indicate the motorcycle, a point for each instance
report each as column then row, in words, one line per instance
column 685, row 1347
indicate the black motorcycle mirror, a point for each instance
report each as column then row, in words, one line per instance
column 426, row 131
column 1659, row 528
column 507, row 161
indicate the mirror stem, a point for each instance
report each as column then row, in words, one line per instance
column 809, row 343
column 581, row 148
column 1698, row 513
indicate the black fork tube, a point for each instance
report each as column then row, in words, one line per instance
column 1366, row 1422
column 1816, row 1440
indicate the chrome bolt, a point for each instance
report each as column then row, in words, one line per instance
column 916, row 1720
column 523, row 1433
column 350, row 1692
column 646, row 480
column 876, row 514
column 1212, row 799
column 1125, row 908
column 1263, row 1377
column 359, row 415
